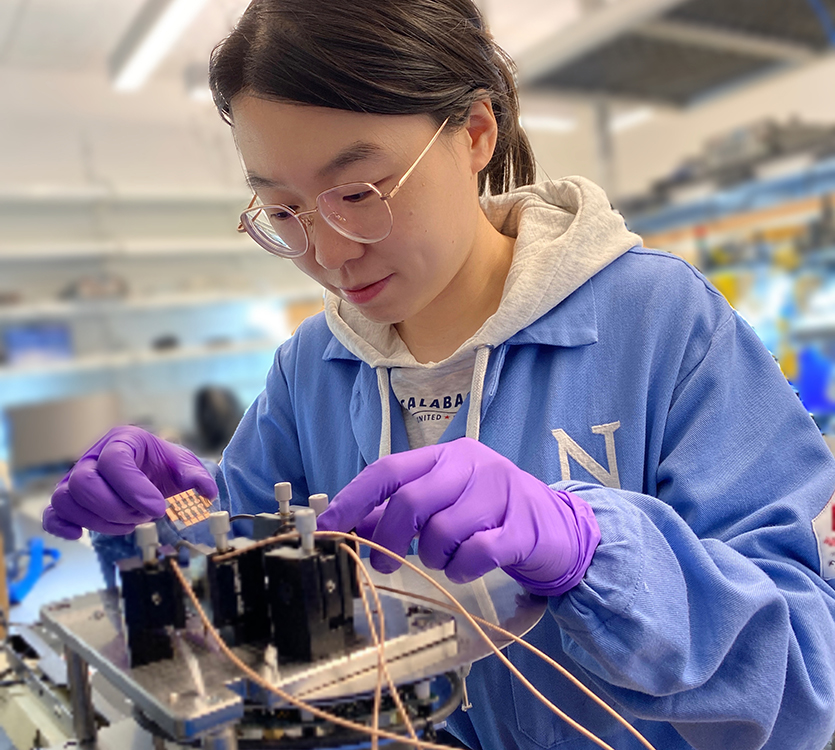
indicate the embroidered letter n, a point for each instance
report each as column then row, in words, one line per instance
column 569, row 447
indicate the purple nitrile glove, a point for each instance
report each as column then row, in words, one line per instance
column 475, row 510
column 123, row 481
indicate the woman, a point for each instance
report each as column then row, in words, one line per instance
column 586, row 414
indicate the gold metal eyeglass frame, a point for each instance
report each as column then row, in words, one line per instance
column 306, row 222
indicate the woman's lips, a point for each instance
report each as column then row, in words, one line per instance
column 361, row 295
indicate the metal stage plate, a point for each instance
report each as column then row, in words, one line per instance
column 170, row 693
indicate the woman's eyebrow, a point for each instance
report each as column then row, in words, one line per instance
column 256, row 181
column 359, row 151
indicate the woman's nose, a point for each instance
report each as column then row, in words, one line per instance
column 331, row 249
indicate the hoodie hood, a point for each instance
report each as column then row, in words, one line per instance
column 566, row 231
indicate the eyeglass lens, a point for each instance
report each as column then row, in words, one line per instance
column 282, row 230
column 355, row 210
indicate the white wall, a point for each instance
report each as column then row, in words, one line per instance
column 71, row 129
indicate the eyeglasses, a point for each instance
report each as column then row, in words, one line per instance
column 357, row 210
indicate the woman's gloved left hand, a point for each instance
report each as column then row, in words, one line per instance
column 475, row 510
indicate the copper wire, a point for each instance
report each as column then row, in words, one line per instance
column 455, row 605
column 382, row 670
column 285, row 696
column 524, row 680
column 541, row 654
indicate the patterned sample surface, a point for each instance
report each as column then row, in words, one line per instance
column 188, row 507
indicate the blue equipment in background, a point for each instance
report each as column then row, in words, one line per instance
column 40, row 559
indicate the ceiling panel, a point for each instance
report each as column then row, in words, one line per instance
column 640, row 67
column 79, row 36
column 787, row 20
column 686, row 51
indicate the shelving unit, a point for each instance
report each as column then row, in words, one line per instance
column 768, row 244
column 60, row 309
column 131, row 360
column 203, row 304
column 112, row 250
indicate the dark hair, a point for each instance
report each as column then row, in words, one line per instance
column 388, row 57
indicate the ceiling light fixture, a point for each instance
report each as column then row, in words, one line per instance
column 631, row 119
column 148, row 40
column 548, row 123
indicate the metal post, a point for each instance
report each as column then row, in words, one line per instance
column 81, row 698
column 604, row 146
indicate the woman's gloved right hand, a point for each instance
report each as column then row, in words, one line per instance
column 121, row 482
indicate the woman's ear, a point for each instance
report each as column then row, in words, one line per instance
column 482, row 130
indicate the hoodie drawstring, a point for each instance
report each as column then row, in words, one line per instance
column 482, row 357
column 385, row 428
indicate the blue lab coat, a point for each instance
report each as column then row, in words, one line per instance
column 705, row 617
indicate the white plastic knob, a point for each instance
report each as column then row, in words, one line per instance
column 306, row 524
column 319, row 503
column 219, row 522
column 283, row 495
column 423, row 690
column 220, row 526
column 146, row 533
column 147, row 539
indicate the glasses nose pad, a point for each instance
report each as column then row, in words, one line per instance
column 307, row 221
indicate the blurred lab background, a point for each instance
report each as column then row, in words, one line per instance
column 127, row 296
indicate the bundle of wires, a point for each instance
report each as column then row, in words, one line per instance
column 377, row 632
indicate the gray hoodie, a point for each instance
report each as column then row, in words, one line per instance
column 566, row 231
